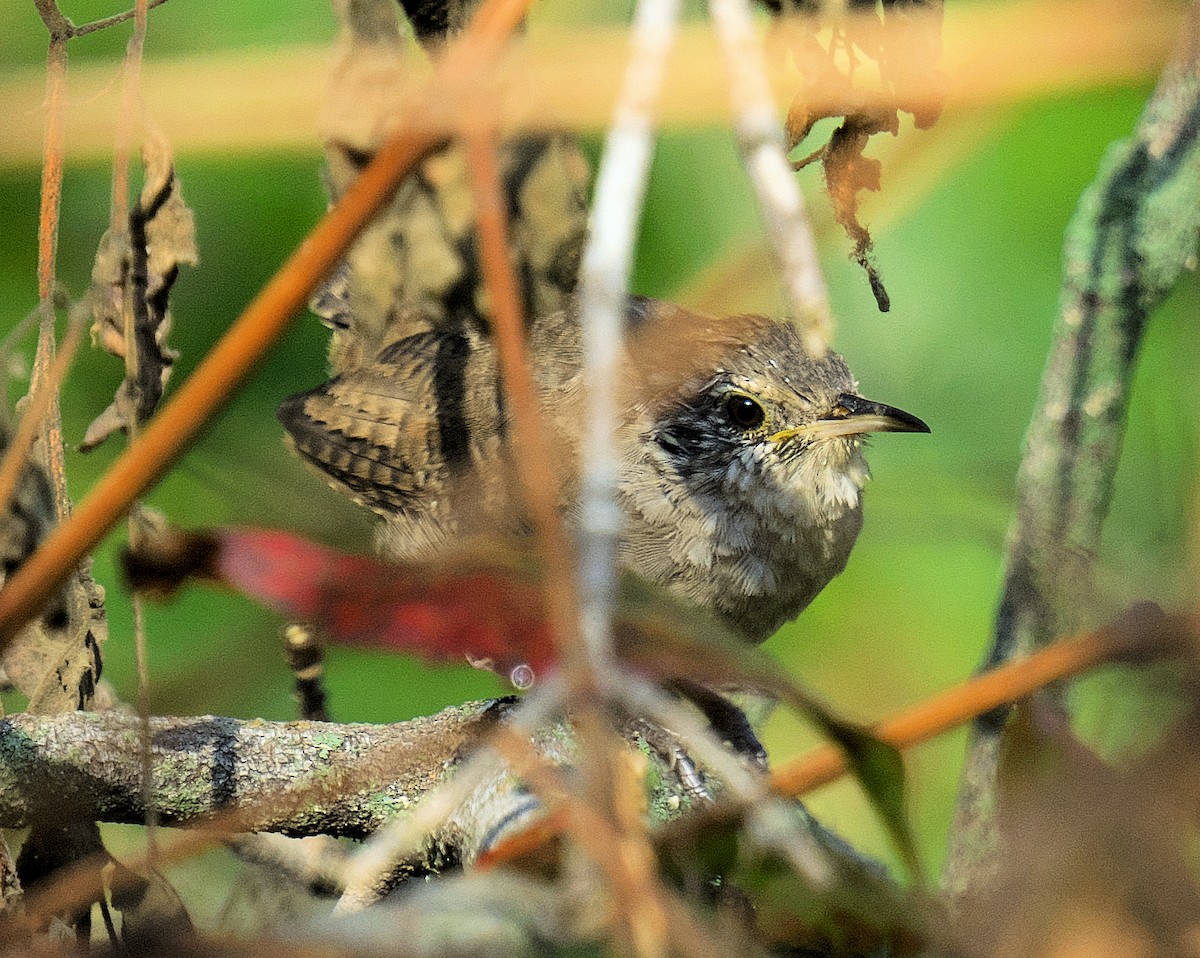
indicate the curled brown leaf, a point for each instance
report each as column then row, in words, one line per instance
column 879, row 62
column 132, row 277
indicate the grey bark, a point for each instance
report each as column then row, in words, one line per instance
column 296, row 778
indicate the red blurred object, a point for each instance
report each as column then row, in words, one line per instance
column 486, row 612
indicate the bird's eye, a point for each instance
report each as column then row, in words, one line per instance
column 743, row 411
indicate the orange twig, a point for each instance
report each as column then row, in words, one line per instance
column 979, row 695
column 1148, row 634
column 540, row 482
column 252, row 334
column 52, row 165
column 48, row 217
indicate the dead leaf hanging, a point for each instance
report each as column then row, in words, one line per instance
column 132, row 277
column 902, row 42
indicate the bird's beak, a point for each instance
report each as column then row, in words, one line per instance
column 853, row 416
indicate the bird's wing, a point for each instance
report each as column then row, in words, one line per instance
column 393, row 432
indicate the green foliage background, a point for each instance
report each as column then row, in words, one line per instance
column 972, row 265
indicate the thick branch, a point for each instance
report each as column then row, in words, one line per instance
column 298, row 778
column 1133, row 232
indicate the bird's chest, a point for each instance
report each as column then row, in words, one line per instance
column 747, row 554
column 787, row 563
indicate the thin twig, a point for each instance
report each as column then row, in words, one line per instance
column 84, row 29
column 761, row 140
column 58, row 25
column 603, row 286
column 19, row 331
column 540, row 483
column 367, row 872
column 48, row 218
column 129, row 114
column 62, row 28
column 654, row 913
column 142, row 659
column 52, row 166
column 367, row 876
column 254, row 332
column 306, row 659
column 799, row 842
column 621, row 850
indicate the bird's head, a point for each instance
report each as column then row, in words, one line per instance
column 760, row 422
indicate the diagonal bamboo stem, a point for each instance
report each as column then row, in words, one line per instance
column 261, row 324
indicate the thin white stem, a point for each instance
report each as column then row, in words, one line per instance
column 775, row 821
column 761, row 141
column 603, row 283
column 366, row 876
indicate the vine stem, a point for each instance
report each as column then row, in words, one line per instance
column 132, row 112
column 1135, row 229
column 50, row 424
column 37, row 408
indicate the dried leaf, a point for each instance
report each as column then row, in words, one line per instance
column 58, row 666
column 416, row 266
column 848, row 171
column 56, row 662
column 902, row 39
column 132, row 278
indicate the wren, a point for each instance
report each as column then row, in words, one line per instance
column 741, row 453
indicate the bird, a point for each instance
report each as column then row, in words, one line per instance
column 741, row 451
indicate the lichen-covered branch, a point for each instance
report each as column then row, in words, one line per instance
column 1135, row 229
column 297, row 778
